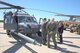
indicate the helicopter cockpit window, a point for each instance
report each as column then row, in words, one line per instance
column 34, row 19
column 29, row 19
column 22, row 19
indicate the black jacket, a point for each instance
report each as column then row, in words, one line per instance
column 60, row 29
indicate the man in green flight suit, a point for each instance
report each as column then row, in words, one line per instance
column 44, row 31
column 51, row 29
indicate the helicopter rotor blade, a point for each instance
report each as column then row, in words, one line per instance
column 42, row 10
column 12, row 6
column 5, row 8
column 1, row 2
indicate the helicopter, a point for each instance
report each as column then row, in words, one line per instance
column 20, row 23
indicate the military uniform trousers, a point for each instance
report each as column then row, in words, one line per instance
column 53, row 38
column 44, row 37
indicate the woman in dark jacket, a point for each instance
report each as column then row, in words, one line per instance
column 60, row 31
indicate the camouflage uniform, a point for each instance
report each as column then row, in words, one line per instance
column 51, row 27
column 44, row 32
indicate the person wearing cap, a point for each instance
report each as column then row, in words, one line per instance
column 44, row 31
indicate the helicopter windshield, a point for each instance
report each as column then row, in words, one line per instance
column 27, row 19
column 22, row 19
column 31, row 19
column 34, row 19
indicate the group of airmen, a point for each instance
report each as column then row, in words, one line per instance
column 49, row 30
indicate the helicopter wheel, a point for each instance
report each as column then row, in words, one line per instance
column 8, row 32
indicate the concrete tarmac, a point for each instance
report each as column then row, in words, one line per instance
column 71, row 44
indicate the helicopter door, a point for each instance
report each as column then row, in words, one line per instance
column 9, row 22
column 40, row 20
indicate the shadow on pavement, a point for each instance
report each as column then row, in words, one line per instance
column 33, row 51
column 2, row 33
column 14, row 48
column 72, row 37
column 64, row 41
column 72, row 45
column 17, row 46
column 67, row 41
column 63, row 50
